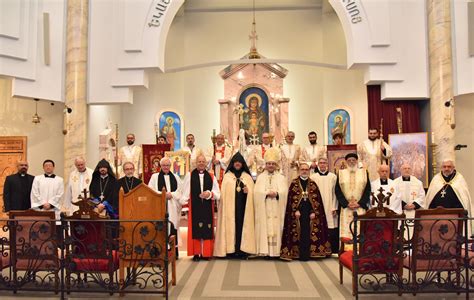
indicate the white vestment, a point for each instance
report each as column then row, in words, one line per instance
column 259, row 153
column 223, row 155
column 290, row 154
column 409, row 192
column 194, row 152
column 372, row 156
column 269, row 213
column 459, row 185
column 131, row 154
column 175, row 203
column 78, row 181
column 395, row 205
column 312, row 153
column 47, row 190
column 352, row 185
column 327, row 185
column 186, row 191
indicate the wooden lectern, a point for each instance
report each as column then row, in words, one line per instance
column 144, row 239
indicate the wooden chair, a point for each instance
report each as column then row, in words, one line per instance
column 437, row 243
column 144, row 244
column 34, row 246
column 90, row 246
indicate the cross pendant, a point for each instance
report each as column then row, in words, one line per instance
column 101, row 197
column 413, row 195
column 443, row 193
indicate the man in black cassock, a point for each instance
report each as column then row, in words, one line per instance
column 104, row 187
column 128, row 182
column 17, row 188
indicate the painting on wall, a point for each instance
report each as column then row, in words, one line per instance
column 152, row 154
column 339, row 123
column 171, row 126
column 179, row 162
column 410, row 148
column 254, row 118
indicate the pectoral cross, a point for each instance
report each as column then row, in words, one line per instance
column 443, row 193
column 413, row 195
column 101, row 197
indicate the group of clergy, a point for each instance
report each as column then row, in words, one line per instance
column 294, row 209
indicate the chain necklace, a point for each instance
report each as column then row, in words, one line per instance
column 238, row 188
column 102, row 189
column 131, row 184
column 446, row 184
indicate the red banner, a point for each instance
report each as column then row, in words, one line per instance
column 152, row 154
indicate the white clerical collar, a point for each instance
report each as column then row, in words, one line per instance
column 304, row 178
column 104, row 176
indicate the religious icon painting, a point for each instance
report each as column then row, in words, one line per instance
column 410, row 148
column 180, row 161
column 337, row 154
column 152, row 154
column 171, row 126
column 339, row 126
column 254, row 118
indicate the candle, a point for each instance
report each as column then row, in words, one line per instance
column 432, row 137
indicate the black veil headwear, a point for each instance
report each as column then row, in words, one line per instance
column 103, row 164
column 238, row 157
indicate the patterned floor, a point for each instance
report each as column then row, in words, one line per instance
column 252, row 279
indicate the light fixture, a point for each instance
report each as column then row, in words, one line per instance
column 36, row 119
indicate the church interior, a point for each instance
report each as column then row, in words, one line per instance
column 77, row 77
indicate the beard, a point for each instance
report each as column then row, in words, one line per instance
column 312, row 142
column 352, row 169
column 372, row 138
column 130, row 142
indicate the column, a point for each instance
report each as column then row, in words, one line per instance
column 75, row 140
column 441, row 80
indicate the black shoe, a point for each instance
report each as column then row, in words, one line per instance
column 196, row 258
column 204, row 258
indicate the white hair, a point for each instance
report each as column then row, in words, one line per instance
column 165, row 158
column 323, row 158
column 79, row 158
column 448, row 160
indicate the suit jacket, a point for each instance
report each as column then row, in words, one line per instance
column 15, row 195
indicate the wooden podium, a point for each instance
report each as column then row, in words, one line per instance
column 145, row 244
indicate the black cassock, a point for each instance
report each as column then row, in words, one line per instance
column 448, row 200
column 16, row 192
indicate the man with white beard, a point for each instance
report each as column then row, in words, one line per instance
column 326, row 182
column 352, row 192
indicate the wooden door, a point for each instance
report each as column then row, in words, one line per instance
column 12, row 149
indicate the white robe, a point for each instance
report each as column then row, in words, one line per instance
column 78, row 181
column 459, row 185
column 131, row 154
column 371, row 156
column 312, row 153
column 223, row 155
column 259, row 152
column 186, row 190
column 395, row 204
column 289, row 154
column 352, row 186
column 175, row 204
column 47, row 190
column 327, row 185
column 192, row 157
column 409, row 192
column 269, row 213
